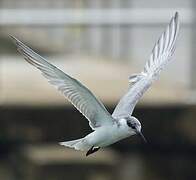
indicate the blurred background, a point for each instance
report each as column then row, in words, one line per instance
column 101, row 43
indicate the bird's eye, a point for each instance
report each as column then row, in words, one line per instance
column 131, row 125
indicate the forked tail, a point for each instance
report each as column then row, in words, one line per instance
column 78, row 144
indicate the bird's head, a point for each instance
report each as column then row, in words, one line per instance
column 135, row 126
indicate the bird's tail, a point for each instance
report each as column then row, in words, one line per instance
column 78, row 144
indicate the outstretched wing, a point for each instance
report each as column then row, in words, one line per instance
column 160, row 56
column 72, row 89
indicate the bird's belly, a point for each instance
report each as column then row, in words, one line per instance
column 106, row 136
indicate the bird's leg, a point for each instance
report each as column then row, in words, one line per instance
column 92, row 150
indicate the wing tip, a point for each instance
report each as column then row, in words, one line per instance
column 176, row 18
column 176, row 15
column 177, row 24
column 17, row 42
column 172, row 27
column 13, row 38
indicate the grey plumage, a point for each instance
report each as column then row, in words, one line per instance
column 73, row 90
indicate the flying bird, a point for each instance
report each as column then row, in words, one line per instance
column 107, row 128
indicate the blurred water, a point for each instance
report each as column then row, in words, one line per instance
column 169, row 154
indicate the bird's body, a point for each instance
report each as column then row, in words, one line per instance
column 107, row 128
column 107, row 135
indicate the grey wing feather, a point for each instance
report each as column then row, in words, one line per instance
column 72, row 89
column 160, row 56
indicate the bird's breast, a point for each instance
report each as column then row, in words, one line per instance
column 107, row 135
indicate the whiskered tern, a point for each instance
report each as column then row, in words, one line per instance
column 107, row 128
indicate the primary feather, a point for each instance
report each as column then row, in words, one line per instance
column 73, row 90
column 160, row 56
